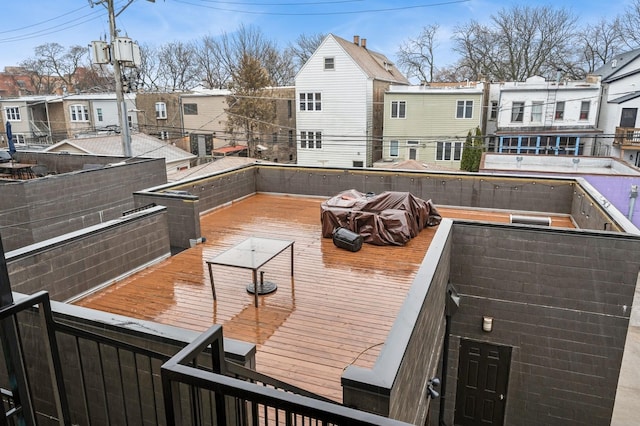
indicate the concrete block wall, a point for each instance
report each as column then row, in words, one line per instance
column 467, row 190
column 561, row 299
column 75, row 263
column 44, row 208
column 396, row 385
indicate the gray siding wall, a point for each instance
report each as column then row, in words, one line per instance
column 75, row 263
column 561, row 300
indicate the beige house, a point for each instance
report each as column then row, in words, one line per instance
column 205, row 119
column 159, row 114
column 430, row 124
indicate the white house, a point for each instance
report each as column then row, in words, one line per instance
column 619, row 108
column 340, row 103
column 546, row 117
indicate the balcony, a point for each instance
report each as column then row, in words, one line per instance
column 627, row 137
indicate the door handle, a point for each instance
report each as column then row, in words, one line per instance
column 501, row 397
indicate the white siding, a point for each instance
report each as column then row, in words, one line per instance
column 346, row 108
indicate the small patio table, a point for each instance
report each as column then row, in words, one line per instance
column 252, row 253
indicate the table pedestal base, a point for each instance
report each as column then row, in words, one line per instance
column 263, row 288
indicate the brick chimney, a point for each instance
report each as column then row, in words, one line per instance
column 364, row 43
column 356, row 40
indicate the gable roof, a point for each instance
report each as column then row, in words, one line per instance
column 142, row 145
column 375, row 65
column 615, row 67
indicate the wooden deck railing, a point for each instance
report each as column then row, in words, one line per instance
column 627, row 136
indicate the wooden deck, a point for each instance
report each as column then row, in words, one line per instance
column 337, row 312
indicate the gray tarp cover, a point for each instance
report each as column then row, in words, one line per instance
column 390, row 218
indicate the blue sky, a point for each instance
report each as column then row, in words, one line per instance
column 384, row 23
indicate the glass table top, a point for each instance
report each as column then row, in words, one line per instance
column 252, row 253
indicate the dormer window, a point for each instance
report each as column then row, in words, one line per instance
column 329, row 63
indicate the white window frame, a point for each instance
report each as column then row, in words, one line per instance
column 394, row 148
column 517, row 112
column 99, row 114
column 329, row 63
column 163, row 135
column 449, row 151
column 310, row 139
column 12, row 113
column 398, row 109
column 584, row 110
column 464, row 109
column 161, row 111
column 536, row 111
column 310, row 101
column 78, row 113
column 559, row 113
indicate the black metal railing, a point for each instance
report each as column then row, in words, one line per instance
column 197, row 394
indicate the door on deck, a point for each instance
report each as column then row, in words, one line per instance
column 483, row 374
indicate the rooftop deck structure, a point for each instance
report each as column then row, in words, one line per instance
column 337, row 311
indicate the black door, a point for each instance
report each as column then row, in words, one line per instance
column 483, row 373
column 628, row 117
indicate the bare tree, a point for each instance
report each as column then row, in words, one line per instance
column 416, row 56
column 178, row 69
column 251, row 108
column 149, row 68
column 598, row 43
column 213, row 72
column 39, row 76
column 304, row 46
column 630, row 25
column 520, row 42
column 62, row 63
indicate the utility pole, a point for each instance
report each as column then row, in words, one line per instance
column 117, row 69
column 124, row 122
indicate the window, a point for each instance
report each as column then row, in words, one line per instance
column 464, row 109
column 12, row 113
column 358, row 164
column 560, row 110
column 190, row 109
column 310, row 102
column 274, row 137
column 447, row 151
column 393, row 148
column 79, row 113
column 536, row 112
column 289, row 108
column 161, row 110
column 164, row 135
column 311, row 140
column 398, row 109
column 493, row 115
column 290, row 138
column 584, row 110
column 517, row 112
column 329, row 64
column 99, row 114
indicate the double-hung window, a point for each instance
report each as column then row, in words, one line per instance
column 464, row 109
column 310, row 101
column 12, row 113
column 494, row 111
column 79, row 113
column 536, row 112
column 560, row 110
column 584, row 110
column 447, row 151
column 517, row 112
column 161, row 110
column 310, row 140
column 329, row 63
column 398, row 109
column 190, row 109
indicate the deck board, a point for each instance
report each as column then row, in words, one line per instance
column 337, row 311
